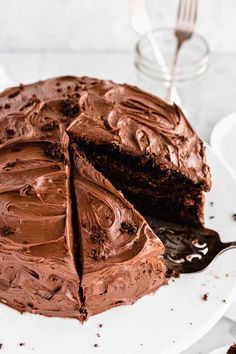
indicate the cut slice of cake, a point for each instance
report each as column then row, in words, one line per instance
column 146, row 148
column 37, row 267
column 122, row 259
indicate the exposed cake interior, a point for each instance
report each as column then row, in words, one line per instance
column 154, row 191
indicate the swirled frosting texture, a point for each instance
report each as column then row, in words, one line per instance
column 39, row 270
column 122, row 257
column 137, row 122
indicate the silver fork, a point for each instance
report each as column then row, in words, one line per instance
column 186, row 19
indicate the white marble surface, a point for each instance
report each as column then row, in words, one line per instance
column 84, row 24
column 46, row 38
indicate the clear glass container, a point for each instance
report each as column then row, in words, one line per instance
column 192, row 63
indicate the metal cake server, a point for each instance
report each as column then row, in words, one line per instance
column 189, row 249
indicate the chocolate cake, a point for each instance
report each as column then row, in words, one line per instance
column 232, row 349
column 69, row 144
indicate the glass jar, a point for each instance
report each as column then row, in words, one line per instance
column 192, row 63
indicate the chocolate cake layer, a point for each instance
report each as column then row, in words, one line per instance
column 122, row 258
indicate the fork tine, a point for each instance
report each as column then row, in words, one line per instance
column 187, row 11
column 181, row 8
column 192, row 11
column 195, row 8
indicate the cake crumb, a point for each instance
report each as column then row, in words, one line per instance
column 172, row 273
column 224, row 300
column 190, row 323
column 0, row 346
column 211, row 204
column 171, row 309
column 98, row 335
column 128, row 227
column 234, row 216
column 141, row 344
column 205, row 297
column 21, row 344
column 211, row 217
column 95, row 345
column 100, row 325
column 176, row 274
column 227, row 275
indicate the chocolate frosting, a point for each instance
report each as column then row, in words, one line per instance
column 105, row 112
column 39, row 270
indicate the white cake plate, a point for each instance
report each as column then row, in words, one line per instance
column 164, row 323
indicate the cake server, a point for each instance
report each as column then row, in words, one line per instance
column 190, row 249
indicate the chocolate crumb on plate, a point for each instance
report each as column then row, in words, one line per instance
column 21, row 344
column 205, row 297
column 172, row 273
column 211, row 204
column 211, row 217
column 234, row 216
column 98, row 335
column 100, row 325
column 0, row 346
column 176, row 274
column 95, row 345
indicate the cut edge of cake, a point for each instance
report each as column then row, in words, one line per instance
column 122, row 258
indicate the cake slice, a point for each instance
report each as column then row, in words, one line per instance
column 146, row 148
column 38, row 271
column 122, row 259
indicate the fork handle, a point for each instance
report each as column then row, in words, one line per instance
column 173, row 71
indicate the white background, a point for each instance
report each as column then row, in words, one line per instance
column 42, row 38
